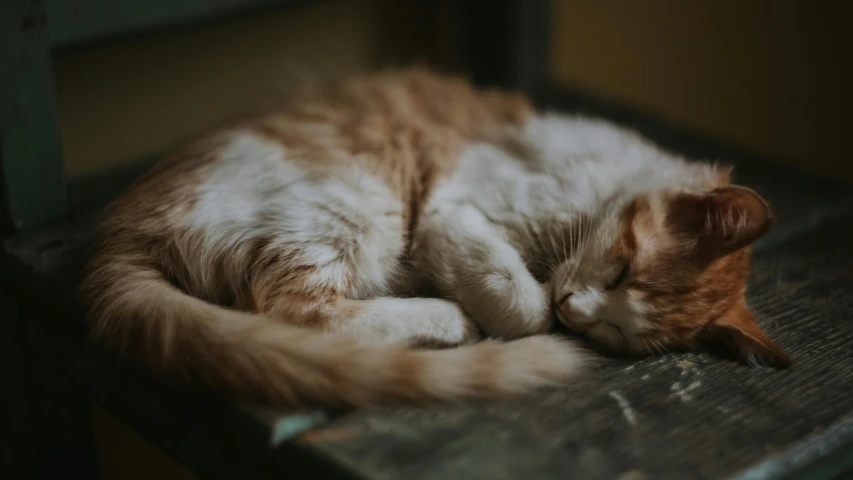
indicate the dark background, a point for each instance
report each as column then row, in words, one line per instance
column 772, row 76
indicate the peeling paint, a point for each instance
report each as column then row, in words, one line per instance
column 627, row 410
column 684, row 392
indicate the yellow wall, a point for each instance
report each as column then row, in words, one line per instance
column 126, row 99
column 771, row 75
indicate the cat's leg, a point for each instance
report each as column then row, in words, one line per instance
column 413, row 321
column 469, row 260
column 346, row 281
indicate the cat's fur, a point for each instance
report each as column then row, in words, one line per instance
column 278, row 258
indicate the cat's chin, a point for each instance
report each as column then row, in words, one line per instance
column 561, row 329
column 609, row 351
column 601, row 348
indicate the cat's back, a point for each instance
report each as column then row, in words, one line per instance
column 406, row 127
column 392, row 133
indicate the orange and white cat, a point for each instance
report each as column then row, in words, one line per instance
column 303, row 255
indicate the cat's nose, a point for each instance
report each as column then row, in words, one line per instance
column 578, row 308
column 563, row 308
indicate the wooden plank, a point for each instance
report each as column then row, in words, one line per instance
column 60, row 409
column 73, row 21
column 16, row 439
column 47, row 424
column 31, row 173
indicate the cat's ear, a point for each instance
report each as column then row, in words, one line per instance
column 722, row 175
column 723, row 220
column 740, row 332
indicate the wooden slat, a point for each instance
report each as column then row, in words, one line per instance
column 16, row 440
column 32, row 178
column 60, row 407
column 72, row 21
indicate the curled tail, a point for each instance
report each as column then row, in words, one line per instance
column 140, row 313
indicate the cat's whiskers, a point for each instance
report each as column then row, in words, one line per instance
column 657, row 348
column 662, row 346
column 565, row 246
column 553, row 241
column 646, row 345
column 553, row 270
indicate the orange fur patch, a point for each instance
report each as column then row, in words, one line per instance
column 692, row 267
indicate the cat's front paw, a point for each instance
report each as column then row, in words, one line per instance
column 448, row 326
column 514, row 306
column 472, row 333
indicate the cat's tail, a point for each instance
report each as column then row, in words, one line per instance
column 137, row 311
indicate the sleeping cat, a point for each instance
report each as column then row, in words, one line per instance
column 300, row 256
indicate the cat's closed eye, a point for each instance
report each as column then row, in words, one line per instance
column 620, row 277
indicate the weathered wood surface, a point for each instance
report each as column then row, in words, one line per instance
column 681, row 417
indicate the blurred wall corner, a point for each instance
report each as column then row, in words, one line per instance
column 773, row 76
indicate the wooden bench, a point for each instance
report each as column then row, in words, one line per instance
column 680, row 417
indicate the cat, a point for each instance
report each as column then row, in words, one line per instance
column 302, row 255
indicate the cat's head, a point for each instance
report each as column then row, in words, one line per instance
column 668, row 271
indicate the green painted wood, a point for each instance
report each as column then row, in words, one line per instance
column 31, row 173
column 73, row 21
